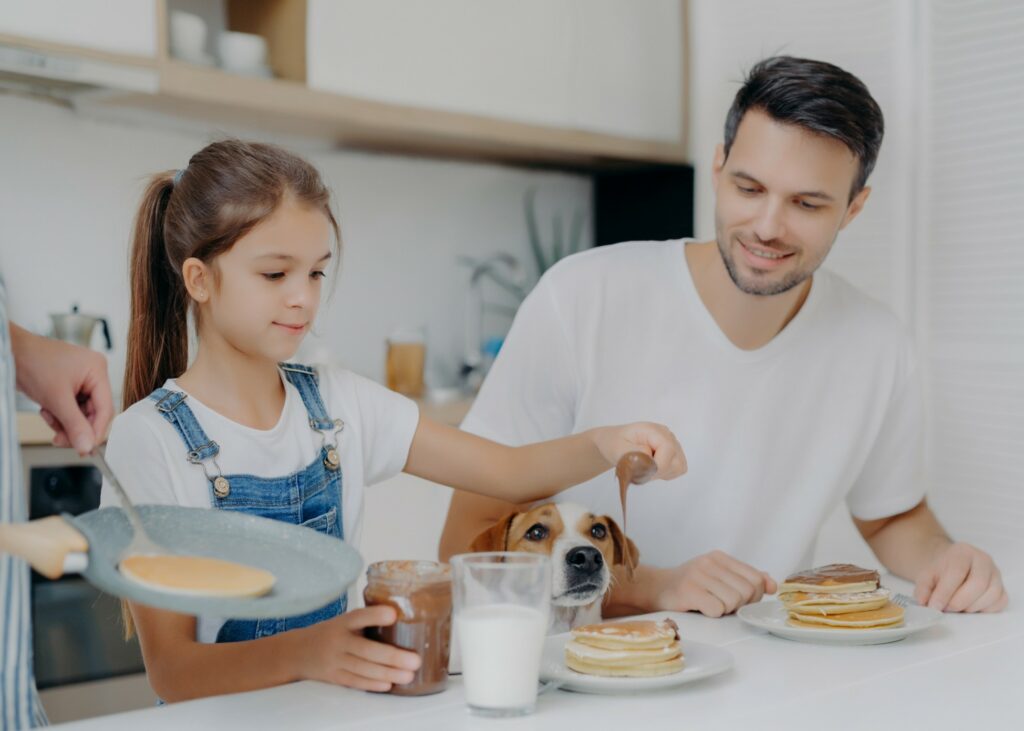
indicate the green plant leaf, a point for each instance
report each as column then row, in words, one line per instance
column 576, row 232
column 534, row 231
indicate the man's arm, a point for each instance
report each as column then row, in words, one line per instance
column 469, row 515
column 948, row 576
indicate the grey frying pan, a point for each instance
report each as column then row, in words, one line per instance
column 311, row 569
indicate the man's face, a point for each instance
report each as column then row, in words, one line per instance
column 782, row 197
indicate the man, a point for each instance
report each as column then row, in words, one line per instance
column 788, row 388
column 70, row 383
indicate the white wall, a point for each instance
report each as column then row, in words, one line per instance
column 69, row 186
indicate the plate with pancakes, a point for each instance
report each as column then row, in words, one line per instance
column 626, row 657
column 838, row 604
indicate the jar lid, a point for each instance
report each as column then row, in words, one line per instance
column 409, row 572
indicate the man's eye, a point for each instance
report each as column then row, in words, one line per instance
column 318, row 275
column 747, row 191
column 273, row 276
column 537, row 533
column 808, row 206
column 599, row 531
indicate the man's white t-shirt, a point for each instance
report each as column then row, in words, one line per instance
column 774, row 437
column 149, row 456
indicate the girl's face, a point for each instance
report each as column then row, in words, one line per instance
column 267, row 290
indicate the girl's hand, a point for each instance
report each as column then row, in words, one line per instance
column 335, row 651
column 653, row 439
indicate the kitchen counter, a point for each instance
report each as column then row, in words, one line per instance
column 966, row 672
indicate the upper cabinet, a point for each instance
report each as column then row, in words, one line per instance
column 122, row 27
column 606, row 66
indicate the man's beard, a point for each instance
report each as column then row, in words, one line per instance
column 762, row 289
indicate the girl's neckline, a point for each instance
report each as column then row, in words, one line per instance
column 280, row 425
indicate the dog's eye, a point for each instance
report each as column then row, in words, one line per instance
column 537, row 532
column 599, row 531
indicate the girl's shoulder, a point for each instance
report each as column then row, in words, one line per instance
column 141, row 423
column 349, row 394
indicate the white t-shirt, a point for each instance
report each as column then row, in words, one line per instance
column 774, row 437
column 149, row 456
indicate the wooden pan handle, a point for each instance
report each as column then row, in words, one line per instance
column 44, row 543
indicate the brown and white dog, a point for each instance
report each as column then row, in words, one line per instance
column 583, row 547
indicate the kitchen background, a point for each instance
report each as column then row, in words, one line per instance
column 572, row 95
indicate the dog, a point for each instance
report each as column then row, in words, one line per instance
column 583, row 547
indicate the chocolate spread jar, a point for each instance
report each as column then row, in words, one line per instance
column 421, row 593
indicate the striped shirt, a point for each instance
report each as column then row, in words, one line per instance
column 19, row 703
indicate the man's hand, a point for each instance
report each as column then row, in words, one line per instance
column 714, row 584
column 962, row 579
column 69, row 382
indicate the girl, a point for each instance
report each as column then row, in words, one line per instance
column 241, row 239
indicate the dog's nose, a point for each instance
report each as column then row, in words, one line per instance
column 586, row 559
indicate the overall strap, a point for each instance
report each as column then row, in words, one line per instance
column 172, row 406
column 305, row 380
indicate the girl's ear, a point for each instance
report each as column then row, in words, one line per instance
column 494, row 538
column 197, row 278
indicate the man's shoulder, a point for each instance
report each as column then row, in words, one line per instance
column 861, row 313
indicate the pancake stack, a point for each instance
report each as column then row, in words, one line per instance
column 838, row 596
column 640, row 649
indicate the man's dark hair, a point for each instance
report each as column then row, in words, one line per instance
column 817, row 96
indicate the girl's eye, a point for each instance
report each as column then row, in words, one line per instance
column 599, row 531
column 537, row 532
column 273, row 276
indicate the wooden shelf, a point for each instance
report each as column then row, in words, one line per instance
column 277, row 105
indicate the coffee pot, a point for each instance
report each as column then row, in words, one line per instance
column 76, row 327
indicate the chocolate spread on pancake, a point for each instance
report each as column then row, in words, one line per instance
column 633, row 468
column 835, row 573
column 421, row 593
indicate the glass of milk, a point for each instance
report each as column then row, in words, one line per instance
column 501, row 602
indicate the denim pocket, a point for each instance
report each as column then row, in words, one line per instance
column 326, row 523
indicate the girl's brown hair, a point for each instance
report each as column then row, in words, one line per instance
column 227, row 188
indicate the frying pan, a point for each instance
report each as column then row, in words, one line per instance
column 312, row 569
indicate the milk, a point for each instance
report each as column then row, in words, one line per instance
column 501, row 650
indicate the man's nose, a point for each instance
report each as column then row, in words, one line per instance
column 769, row 225
column 585, row 559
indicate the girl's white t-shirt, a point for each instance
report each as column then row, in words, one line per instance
column 775, row 438
column 149, row 456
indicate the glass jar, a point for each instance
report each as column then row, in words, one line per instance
column 421, row 593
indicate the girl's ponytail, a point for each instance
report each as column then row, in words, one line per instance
column 158, row 324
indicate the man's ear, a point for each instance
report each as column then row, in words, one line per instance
column 855, row 207
column 626, row 553
column 494, row 538
column 717, row 163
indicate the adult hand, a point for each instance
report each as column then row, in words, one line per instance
column 69, row 382
column 713, row 584
column 962, row 579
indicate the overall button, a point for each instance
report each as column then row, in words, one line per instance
column 332, row 461
column 221, row 486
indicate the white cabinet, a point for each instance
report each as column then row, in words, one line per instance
column 126, row 27
column 610, row 66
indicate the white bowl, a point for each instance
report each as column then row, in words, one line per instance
column 188, row 35
column 243, row 52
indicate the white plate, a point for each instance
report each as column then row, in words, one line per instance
column 701, row 661
column 771, row 616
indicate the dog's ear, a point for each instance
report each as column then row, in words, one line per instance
column 494, row 538
column 626, row 553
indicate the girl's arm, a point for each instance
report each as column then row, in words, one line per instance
column 179, row 668
column 465, row 461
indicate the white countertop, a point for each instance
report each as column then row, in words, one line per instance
column 966, row 672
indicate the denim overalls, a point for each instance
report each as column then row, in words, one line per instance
column 310, row 497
